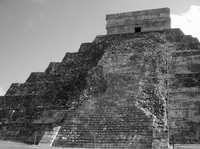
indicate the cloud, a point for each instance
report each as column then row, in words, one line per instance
column 188, row 21
column 2, row 92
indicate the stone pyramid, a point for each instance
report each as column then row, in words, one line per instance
column 132, row 89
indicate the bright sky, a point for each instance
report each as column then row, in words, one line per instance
column 35, row 32
column 1, row 91
column 188, row 21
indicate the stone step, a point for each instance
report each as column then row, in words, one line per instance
column 186, row 53
column 49, row 117
column 99, row 129
column 42, row 77
column 85, row 47
column 37, row 77
column 49, row 136
column 186, row 61
column 185, row 64
column 193, row 68
column 187, row 146
column 184, row 90
column 36, row 88
column 71, row 57
column 53, row 66
column 187, row 42
column 184, row 80
column 37, row 103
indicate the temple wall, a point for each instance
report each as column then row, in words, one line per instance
column 148, row 20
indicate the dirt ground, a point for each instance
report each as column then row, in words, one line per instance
column 14, row 145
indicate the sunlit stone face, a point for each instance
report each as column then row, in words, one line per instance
column 138, row 21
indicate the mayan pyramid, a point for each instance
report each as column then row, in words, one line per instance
column 135, row 87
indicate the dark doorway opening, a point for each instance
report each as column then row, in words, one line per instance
column 137, row 29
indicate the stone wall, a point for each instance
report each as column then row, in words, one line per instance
column 147, row 20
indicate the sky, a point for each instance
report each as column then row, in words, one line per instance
column 36, row 32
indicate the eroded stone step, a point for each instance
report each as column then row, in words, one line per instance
column 186, row 53
column 49, row 136
column 53, row 66
column 85, row 47
column 36, row 88
column 189, row 146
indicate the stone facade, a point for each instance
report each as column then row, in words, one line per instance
column 138, row 21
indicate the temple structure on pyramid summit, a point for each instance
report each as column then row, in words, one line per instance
column 135, row 87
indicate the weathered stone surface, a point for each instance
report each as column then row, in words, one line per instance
column 183, row 90
column 146, row 20
column 122, row 98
